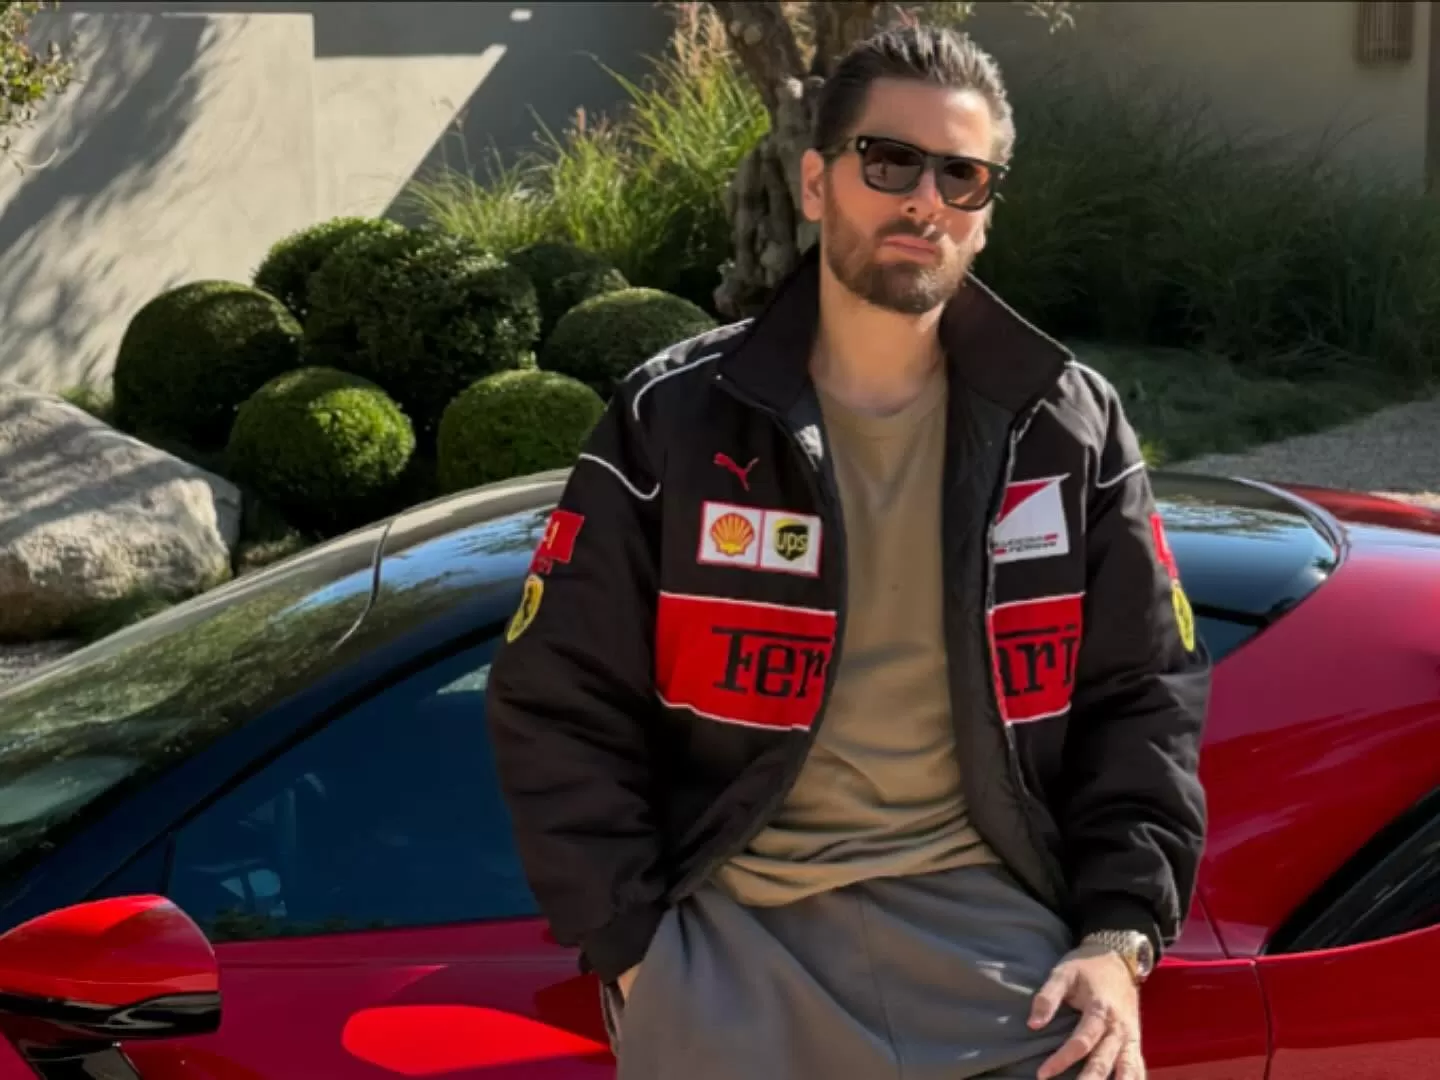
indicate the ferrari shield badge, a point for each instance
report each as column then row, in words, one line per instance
column 529, row 604
column 1184, row 617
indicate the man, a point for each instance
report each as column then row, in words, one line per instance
column 850, row 719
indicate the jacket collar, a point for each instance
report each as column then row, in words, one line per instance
column 988, row 346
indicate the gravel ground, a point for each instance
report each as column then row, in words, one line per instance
column 1395, row 451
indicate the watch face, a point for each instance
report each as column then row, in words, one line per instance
column 1145, row 957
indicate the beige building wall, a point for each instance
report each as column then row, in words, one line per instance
column 1266, row 67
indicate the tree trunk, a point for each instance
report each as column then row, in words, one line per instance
column 838, row 26
column 763, row 199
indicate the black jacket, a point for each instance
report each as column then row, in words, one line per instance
column 669, row 663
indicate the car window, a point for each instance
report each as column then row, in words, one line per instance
column 111, row 717
column 1390, row 887
column 1223, row 636
column 389, row 816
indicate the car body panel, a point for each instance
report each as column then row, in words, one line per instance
column 1322, row 731
column 497, row 1001
column 1367, row 1010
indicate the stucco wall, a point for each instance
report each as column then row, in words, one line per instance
column 1272, row 68
column 200, row 133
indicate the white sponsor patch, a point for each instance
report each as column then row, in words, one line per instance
column 792, row 543
column 1032, row 521
column 731, row 535
column 755, row 539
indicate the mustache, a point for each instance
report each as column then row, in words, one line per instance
column 904, row 227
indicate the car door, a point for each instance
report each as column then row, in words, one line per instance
column 1350, row 984
column 369, row 910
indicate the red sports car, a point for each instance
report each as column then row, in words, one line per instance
column 276, row 803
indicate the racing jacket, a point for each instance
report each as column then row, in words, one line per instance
column 669, row 662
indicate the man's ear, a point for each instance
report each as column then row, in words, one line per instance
column 812, row 185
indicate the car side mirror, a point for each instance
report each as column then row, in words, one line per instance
column 75, row 982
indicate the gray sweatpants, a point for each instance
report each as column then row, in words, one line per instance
column 920, row 978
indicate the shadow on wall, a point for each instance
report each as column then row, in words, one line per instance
column 102, row 148
column 199, row 134
column 462, row 78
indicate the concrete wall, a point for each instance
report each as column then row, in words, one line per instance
column 200, row 133
column 1267, row 68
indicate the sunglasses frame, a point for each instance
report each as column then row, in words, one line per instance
column 932, row 163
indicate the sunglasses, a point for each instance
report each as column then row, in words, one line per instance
column 893, row 167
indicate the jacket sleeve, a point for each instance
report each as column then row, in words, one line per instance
column 1133, row 811
column 570, row 698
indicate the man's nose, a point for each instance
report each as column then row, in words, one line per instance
column 925, row 200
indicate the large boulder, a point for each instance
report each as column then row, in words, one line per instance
column 89, row 515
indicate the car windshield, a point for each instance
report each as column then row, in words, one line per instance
column 121, row 711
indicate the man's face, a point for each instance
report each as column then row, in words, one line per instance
column 902, row 252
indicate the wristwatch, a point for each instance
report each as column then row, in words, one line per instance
column 1132, row 946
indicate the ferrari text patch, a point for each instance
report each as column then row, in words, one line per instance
column 1035, row 645
column 1031, row 524
column 742, row 662
column 524, row 615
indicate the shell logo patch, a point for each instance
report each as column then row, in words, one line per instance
column 732, row 535
column 530, row 595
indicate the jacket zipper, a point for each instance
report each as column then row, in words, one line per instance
column 729, row 848
column 1012, row 749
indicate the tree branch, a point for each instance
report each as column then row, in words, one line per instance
column 764, row 41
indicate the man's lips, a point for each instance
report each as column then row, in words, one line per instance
column 913, row 244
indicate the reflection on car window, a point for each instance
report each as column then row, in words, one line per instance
column 1222, row 636
column 141, row 700
column 390, row 816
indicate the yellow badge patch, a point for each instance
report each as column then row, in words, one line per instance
column 529, row 605
column 1184, row 617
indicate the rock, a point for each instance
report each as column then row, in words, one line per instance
column 89, row 515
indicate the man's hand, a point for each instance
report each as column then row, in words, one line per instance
column 1098, row 983
column 626, row 981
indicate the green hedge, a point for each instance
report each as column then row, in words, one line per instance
column 604, row 338
column 564, row 275
column 421, row 314
column 191, row 356
column 324, row 447
column 512, row 424
column 286, row 270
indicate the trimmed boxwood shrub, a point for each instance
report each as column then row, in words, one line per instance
column 324, row 447
column 191, row 355
column 423, row 314
column 514, row 423
column 564, row 275
column 285, row 271
column 603, row 339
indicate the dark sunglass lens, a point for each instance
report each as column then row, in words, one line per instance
column 892, row 167
column 965, row 183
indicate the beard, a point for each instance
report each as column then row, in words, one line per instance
column 909, row 288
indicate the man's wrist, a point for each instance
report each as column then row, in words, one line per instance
column 1131, row 947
